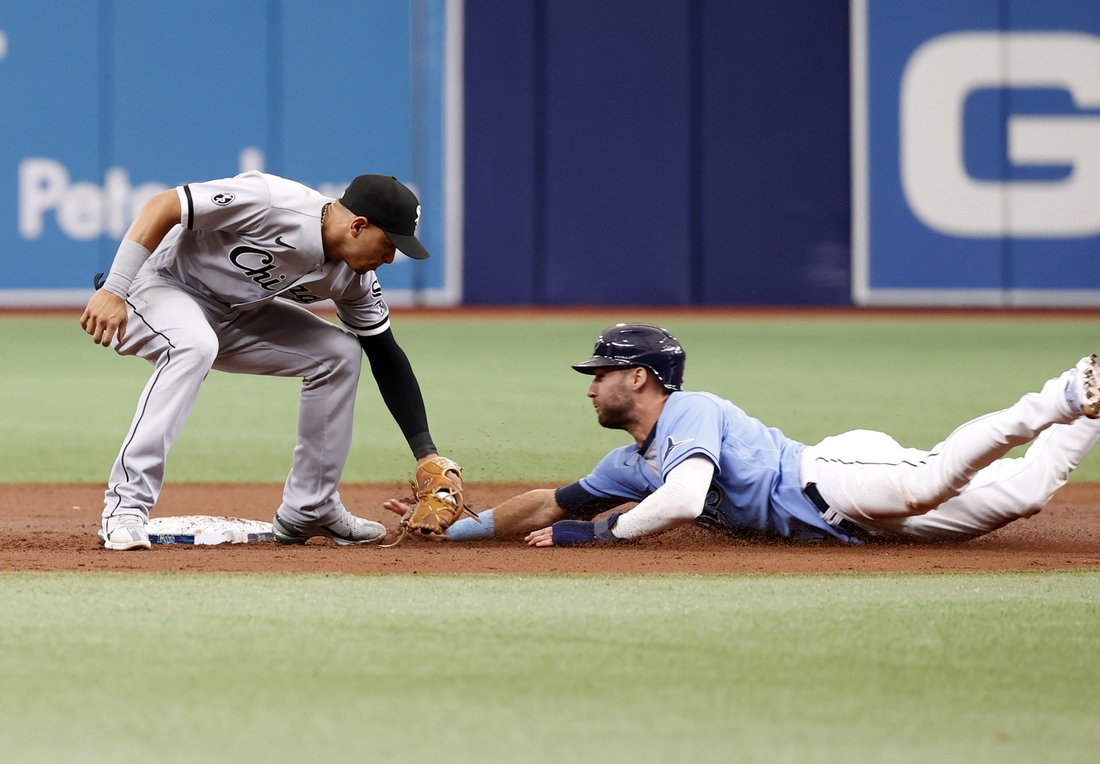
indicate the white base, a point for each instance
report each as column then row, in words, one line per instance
column 206, row 530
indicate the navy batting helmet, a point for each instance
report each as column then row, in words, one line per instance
column 645, row 345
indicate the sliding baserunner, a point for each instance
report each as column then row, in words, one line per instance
column 699, row 458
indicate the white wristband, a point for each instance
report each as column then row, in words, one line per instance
column 128, row 261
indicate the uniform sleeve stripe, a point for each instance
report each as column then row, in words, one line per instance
column 190, row 208
column 375, row 325
column 378, row 330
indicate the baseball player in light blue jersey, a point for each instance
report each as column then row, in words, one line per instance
column 697, row 457
column 215, row 275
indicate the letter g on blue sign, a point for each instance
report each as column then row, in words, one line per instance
column 939, row 77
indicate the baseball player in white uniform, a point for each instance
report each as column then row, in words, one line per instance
column 697, row 457
column 214, row 276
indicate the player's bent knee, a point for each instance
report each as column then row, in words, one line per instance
column 923, row 499
column 348, row 352
column 199, row 351
column 921, row 507
column 1035, row 504
column 340, row 354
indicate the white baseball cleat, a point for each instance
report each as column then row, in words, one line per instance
column 124, row 532
column 1083, row 388
column 348, row 530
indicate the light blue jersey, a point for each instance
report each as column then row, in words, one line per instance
column 756, row 484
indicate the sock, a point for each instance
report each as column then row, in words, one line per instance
column 469, row 529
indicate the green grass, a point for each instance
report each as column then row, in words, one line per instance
column 217, row 668
column 503, row 402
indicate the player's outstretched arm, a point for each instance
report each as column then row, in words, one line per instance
column 400, row 391
column 680, row 500
column 514, row 518
column 524, row 513
column 105, row 315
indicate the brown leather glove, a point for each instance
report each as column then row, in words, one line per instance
column 438, row 489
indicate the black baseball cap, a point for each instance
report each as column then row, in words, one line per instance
column 390, row 205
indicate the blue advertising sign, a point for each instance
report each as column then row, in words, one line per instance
column 976, row 152
column 121, row 99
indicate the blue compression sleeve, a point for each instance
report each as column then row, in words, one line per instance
column 469, row 529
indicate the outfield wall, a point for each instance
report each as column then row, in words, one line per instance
column 976, row 147
column 108, row 102
column 571, row 152
column 657, row 151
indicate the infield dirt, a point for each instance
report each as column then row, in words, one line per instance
column 52, row 527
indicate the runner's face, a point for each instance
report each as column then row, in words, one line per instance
column 612, row 397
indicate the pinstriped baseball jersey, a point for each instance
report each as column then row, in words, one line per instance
column 246, row 240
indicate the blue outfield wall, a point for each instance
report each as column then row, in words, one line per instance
column 647, row 152
column 666, row 152
column 111, row 101
column 977, row 154
column 670, row 152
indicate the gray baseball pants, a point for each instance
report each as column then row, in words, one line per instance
column 184, row 336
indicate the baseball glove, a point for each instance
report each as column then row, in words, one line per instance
column 438, row 490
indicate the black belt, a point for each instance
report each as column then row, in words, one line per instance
column 845, row 526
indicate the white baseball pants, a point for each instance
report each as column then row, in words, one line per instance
column 184, row 336
column 962, row 488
